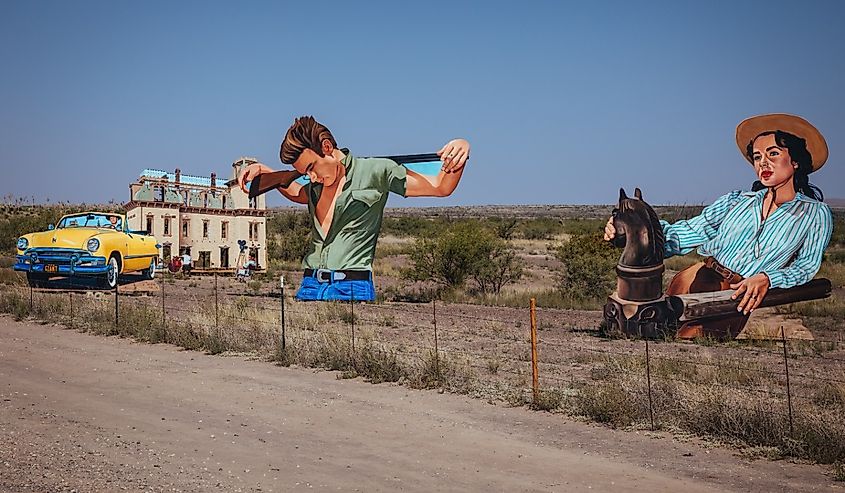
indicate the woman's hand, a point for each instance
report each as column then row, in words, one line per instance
column 250, row 172
column 752, row 290
column 454, row 155
column 609, row 230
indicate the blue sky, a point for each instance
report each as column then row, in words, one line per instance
column 563, row 102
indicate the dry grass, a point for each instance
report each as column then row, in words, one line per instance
column 724, row 401
column 712, row 395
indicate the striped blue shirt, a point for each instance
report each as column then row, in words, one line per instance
column 787, row 247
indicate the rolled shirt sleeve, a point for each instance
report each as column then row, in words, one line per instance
column 685, row 235
column 809, row 258
column 397, row 179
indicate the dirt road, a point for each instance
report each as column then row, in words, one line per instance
column 87, row 413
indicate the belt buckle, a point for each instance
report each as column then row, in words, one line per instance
column 319, row 275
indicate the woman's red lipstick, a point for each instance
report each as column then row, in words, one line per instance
column 766, row 175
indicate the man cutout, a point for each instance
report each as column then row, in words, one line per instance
column 346, row 196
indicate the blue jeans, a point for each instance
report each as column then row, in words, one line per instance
column 313, row 290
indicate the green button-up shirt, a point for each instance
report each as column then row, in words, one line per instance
column 350, row 243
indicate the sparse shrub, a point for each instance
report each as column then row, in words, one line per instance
column 583, row 226
column 548, row 400
column 288, row 235
column 377, row 364
column 464, row 251
column 410, row 226
column 606, row 402
column 588, row 266
column 829, row 395
column 505, row 228
column 542, row 228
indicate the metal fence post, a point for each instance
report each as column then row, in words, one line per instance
column 70, row 296
column 352, row 317
column 648, row 380
column 216, row 306
column 436, row 347
column 30, row 298
column 116, row 311
column 162, row 305
column 535, row 371
column 282, row 283
column 786, row 367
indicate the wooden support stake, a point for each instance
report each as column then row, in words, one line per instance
column 436, row 348
column 535, row 371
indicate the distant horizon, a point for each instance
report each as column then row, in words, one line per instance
column 562, row 102
column 833, row 202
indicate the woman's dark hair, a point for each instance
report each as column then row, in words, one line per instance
column 799, row 154
column 305, row 133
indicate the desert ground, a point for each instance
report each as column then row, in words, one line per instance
column 88, row 413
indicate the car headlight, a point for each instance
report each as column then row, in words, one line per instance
column 93, row 245
column 22, row 243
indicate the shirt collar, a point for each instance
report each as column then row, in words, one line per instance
column 348, row 160
column 760, row 194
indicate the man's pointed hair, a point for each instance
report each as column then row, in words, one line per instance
column 305, row 133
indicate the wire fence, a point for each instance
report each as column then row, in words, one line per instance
column 789, row 385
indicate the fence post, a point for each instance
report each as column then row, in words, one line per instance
column 436, row 347
column 282, row 284
column 70, row 296
column 116, row 311
column 30, row 298
column 352, row 317
column 786, row 367
column 162, row 304
column 648, row 380
column 216, row 307
column 535, row 371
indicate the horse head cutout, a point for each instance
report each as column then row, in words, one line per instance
column 638, row 232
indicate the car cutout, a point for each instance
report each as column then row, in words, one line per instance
column 87, row 244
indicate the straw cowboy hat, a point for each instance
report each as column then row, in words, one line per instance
column 750, row 128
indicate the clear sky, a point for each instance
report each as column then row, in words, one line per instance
column 562, row 101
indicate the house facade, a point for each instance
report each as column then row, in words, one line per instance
column 204, row 217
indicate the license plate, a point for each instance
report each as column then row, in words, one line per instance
column 51, row 268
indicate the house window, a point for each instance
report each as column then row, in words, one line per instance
column 253, row 231
column 166, row 226
column 185, row 227
column 150, row 224
column 205, row 229
column 224, row 230
column 224, row 257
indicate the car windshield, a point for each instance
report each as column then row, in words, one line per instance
column 110, row 221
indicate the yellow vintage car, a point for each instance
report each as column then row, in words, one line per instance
column 88, row 244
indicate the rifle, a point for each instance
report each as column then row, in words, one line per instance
column 270, row 181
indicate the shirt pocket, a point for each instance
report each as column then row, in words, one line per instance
column 369, row 196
